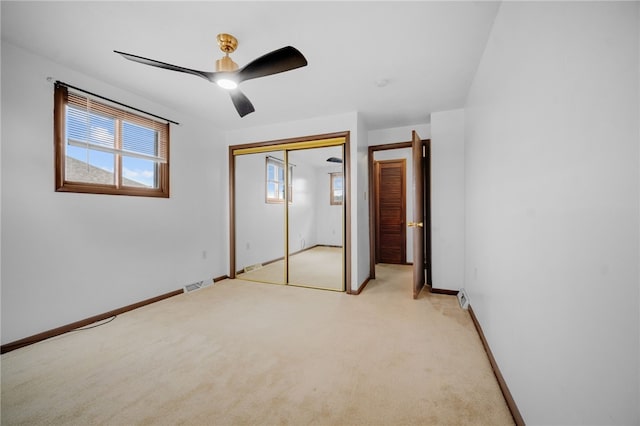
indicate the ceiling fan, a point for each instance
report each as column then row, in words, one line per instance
column 227, row 74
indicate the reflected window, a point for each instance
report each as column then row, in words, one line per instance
column 275, row 181
column 337, row 188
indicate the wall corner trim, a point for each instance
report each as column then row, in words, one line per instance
column 443, row 291
column 362, row 286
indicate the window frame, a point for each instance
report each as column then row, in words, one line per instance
column 61, row 95
column 280, row 164
column 332, row 177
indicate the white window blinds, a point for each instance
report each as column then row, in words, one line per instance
column 96, row 125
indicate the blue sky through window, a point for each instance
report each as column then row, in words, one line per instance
column 99, row 131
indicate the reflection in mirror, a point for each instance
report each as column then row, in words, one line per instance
column 315, row 219
column 259, row 221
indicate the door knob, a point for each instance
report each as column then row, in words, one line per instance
column 414, row 224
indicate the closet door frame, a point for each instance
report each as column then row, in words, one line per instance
column 312, row 141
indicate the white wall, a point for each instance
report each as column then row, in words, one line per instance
column 65, row 256
column 360, row 207
column 259, row 225
column 447, row 199
column 303, row 212
column 322, row 125
column 328, row 217
column 552, row 207
column 397, row 134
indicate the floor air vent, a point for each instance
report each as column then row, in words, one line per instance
column 463, row 299
column 197, row 285
column 252, row 267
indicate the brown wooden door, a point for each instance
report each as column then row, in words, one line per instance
column 426, row 169
column 418, row 222
column 391, row 234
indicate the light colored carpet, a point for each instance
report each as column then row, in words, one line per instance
column 319, row 267
column 250, row 354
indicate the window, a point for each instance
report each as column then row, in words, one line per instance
column 275, row 181
column 102, row 149
column 337, row 188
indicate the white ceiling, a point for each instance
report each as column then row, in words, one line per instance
column 428, row 52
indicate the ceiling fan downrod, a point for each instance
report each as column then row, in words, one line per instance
column 227, row 44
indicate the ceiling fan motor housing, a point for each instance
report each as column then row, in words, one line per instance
column 228, row 44
column 226, row 64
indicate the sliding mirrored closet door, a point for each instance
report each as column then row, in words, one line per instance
column 315, row 219
column 289, row 215
column 259, row 217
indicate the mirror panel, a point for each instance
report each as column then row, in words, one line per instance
column 259, row 217
column 315, row 224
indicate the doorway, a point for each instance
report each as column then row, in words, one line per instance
column 390, row 200
column 398, row 151
column 289, row 203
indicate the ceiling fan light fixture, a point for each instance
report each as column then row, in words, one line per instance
column 228, row 76
column 227, row 83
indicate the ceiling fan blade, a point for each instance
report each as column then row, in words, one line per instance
column 285, row 59
column 135, row 58
column 241, row 102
